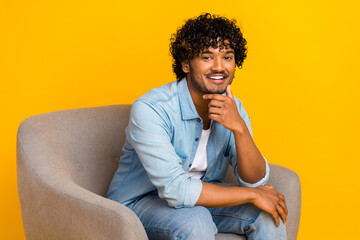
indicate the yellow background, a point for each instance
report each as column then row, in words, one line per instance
column 299, row 84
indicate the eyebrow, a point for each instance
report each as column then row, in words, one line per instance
column 227, row 52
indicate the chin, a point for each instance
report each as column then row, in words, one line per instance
column 220, row 89
column 215, row 91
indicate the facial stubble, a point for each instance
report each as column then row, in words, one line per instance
column 203, row 89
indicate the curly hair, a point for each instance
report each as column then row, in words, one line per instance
column 202, row 32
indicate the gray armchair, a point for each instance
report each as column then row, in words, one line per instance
column 65, row 162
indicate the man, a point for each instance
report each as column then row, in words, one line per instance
column 181, row 138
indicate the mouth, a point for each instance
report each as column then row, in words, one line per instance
column 217, row 78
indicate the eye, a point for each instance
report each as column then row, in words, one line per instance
column 206, row 57
column 228, row 58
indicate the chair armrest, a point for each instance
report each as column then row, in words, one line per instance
column 287, row 182
column 53, row 207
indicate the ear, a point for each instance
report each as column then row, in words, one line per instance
column 185, row 66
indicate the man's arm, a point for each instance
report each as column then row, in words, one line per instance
column 263, row 197
column 251, row 166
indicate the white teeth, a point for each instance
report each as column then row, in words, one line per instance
column 217, row 78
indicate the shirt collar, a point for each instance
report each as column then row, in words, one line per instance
column 188, row 110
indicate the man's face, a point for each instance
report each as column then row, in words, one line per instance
column 211, row 71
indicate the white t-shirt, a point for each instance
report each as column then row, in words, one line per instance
column 199, row 165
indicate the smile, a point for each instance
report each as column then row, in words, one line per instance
column 217, row 77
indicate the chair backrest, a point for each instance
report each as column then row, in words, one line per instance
column 83, row 145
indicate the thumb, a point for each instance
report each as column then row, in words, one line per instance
column 228, row 91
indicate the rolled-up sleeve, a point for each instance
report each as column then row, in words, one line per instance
column 150, row 135
column 241, row 182
column 259, row 183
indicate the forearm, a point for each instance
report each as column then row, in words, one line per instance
column 251, row 165
column 218, row 196
column 263, row 197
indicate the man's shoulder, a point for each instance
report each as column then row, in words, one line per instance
column 159, row 105
column 164, row 93
column 161, row 101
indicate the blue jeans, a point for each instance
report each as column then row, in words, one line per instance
column 200, row 223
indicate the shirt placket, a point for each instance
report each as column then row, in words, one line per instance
column 195, row 139
column 211, row 153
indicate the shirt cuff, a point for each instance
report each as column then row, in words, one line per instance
column 192, row 193
column 259, row 183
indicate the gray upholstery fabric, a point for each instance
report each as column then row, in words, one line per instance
column 65, row 162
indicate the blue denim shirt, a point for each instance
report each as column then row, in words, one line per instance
column 161, row 141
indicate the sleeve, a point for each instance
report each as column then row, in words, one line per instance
column 149, row 134
column 233, row 160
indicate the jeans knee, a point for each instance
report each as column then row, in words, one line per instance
column 200, row 226
column 264, row 227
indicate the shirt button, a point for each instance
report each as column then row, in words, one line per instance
column 196, row 139
column 190, row 165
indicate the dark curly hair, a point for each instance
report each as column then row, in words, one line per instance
column 202, row 32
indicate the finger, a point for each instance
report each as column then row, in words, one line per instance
column 215, row 117
column 276, row 218
column 281, row 212
column 283, row 205
column 281, row 197
column 218, row 97
column 282, row 202
column 228, row 91
column 214, row 110
column 215, row 103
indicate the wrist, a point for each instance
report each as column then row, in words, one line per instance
column 239, row 130
column 252, row 195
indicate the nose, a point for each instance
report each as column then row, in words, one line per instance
column 218, row 65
